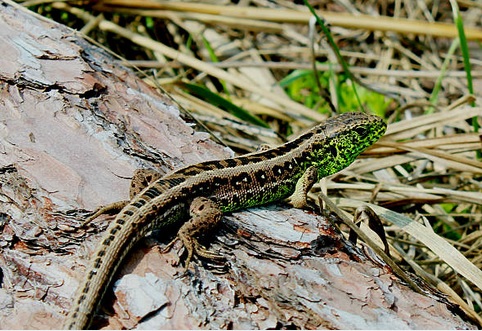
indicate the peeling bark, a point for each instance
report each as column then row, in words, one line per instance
column 74, row 127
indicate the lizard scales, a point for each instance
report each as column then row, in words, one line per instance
column 246, row 181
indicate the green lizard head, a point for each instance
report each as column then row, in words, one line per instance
column 339, row 141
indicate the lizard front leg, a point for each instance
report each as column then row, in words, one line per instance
column 205, row 215
column 299, row 197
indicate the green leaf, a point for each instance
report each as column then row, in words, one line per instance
column 223, row 103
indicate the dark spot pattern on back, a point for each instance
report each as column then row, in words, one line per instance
column 261, row 177
column 139, row 203
column 278, row 170
column 220, row 181
column 128, row 212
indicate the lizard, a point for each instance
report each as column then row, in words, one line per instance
column 196, row 196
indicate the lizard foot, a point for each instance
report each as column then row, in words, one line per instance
column 112, row 208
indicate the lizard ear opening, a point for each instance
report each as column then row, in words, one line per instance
column 333, row 151
column 361, row 130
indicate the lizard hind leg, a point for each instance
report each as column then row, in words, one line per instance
column 205, row 215
column 141, row 179
column 111, row 208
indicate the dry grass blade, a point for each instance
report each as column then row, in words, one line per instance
column 437, row 244
column 211, row 19
column 409, row 127
column 447, row 159
column 293, row 16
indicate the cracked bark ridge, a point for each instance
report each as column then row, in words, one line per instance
column 74, row 127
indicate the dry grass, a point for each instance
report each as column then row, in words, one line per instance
column 423, row 177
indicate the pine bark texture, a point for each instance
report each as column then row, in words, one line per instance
column 74, row 125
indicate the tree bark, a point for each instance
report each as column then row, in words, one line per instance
column 74, row 127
